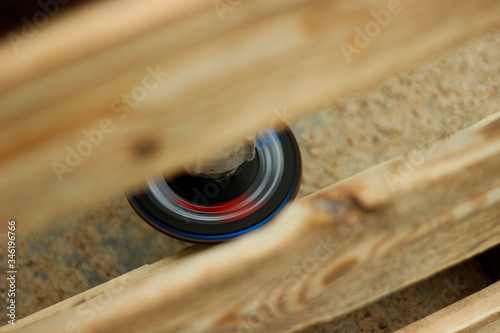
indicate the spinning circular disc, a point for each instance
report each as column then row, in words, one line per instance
column 202, row 210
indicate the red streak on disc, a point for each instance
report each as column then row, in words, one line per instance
column 220, row 208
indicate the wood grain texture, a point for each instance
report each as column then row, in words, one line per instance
column 478, row 313
column 325, row 255
column 226, row 79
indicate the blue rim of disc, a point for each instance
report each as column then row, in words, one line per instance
column 215, row 237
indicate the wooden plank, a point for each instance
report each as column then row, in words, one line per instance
column 478, row 313
column 327, row 254
column 225, row 80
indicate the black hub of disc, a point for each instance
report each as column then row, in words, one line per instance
column 201, row 210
